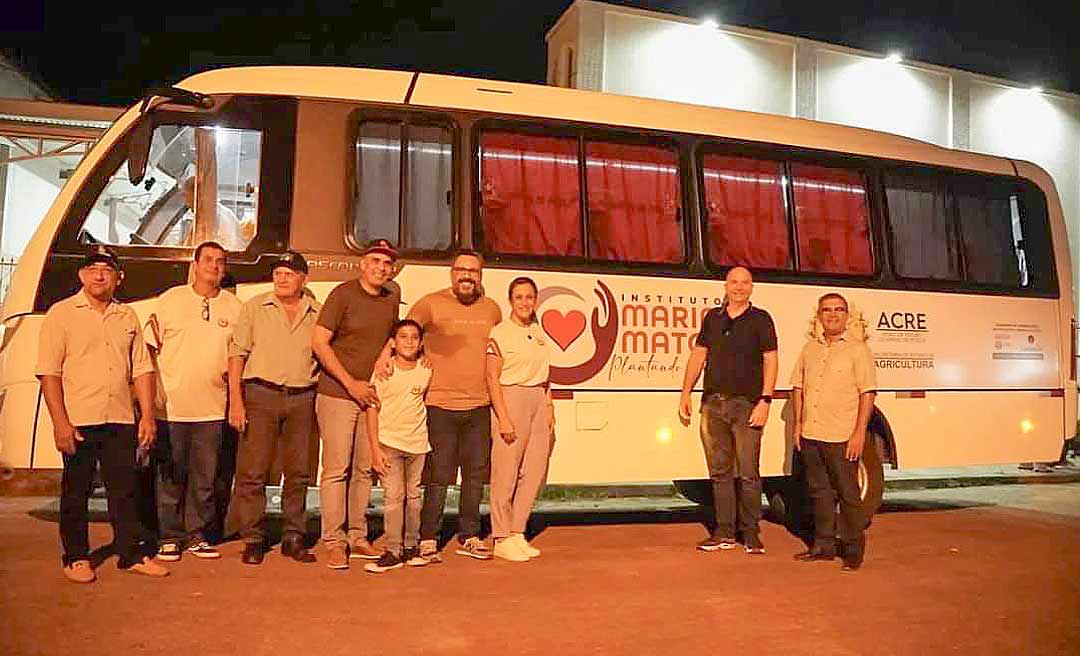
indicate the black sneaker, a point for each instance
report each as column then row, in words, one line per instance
column 385, row 563
column 753, row 545
column 714, row 543
column 411, row 556
column 202, row 549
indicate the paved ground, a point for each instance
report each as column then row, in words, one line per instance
column 987, row 570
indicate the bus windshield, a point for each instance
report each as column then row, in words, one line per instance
column 201, row 184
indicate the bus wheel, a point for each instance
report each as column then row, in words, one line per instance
column 871, row 475
column 698, row 490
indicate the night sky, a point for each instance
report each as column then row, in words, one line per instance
column 112, row 52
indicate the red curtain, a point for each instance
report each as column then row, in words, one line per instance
column 531, row 194
column 831, row 219
column 745, row 202
column 633, row 203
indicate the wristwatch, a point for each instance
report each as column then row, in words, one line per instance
column 767, row 398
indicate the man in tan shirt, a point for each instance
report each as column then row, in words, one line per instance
column 272, row 376
column 91, row 351
column 457, row 322
column 832, row 398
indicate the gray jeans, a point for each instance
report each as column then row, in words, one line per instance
column 345, row 484
column 732, row 450
column 401, row 498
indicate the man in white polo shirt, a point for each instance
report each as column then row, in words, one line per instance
column 189, row 332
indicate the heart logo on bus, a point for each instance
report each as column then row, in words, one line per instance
column 563, row 328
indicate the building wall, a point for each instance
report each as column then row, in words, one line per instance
column 643, row 53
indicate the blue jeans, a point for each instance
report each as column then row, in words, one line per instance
column 188, row 453
column 732, row 450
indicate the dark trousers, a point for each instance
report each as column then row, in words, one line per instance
column 112, row 445
column 732, row 449
column 223, row 482
column 187, row 464
column 830, row 476
column 277, row 421
column 459, row 438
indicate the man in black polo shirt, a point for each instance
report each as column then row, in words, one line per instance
column 737, row 346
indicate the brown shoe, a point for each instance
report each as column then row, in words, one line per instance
column 80, row 572
column 147, row 567
column 363, row 549
column 337, row 557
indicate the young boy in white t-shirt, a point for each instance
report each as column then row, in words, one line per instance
column 397, row 432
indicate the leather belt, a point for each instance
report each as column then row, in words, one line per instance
column 280, row 388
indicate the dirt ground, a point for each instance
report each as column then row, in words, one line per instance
column 939, row 578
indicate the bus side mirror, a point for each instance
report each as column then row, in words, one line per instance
column 139, row 151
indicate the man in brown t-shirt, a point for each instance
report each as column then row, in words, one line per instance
column 351, row 332
column 457, row 322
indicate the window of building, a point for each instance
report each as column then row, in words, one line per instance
column 530, row 194
column 201, row 183
column 831, row 220
column 404, row 182
column 634, row 208
column 745, row 215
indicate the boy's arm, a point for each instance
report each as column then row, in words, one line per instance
column 378, row 463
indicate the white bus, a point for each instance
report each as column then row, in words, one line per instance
column 627, row 212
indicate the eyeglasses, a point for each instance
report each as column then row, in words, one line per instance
column 465, row 270
column 206, row 309
column 836, row 310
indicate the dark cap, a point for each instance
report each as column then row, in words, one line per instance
column 99, row 253
column 292, row 260
column 382, row 247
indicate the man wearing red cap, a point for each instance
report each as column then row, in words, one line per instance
column 349, row 336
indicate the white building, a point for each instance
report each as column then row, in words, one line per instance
column 603, row 47
column 41, row 142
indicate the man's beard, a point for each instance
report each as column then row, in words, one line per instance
column 468, row 298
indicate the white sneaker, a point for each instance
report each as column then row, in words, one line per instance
column 509, row 549
column 524, row 546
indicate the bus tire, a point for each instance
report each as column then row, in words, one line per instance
column 697, row 490
column 872, row 475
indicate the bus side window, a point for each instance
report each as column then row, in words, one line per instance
column 633, row 193
column 530, row 194
column 423, row 221
column 744, row 207
column 832, row 220
column 925, row 241
column 990, row 223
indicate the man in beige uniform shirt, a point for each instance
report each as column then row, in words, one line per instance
column 833, row 394
column 189, row 331
column 91, row 350
column 457, row 322
column 272, row 406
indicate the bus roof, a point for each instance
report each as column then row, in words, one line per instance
column 557, row 103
